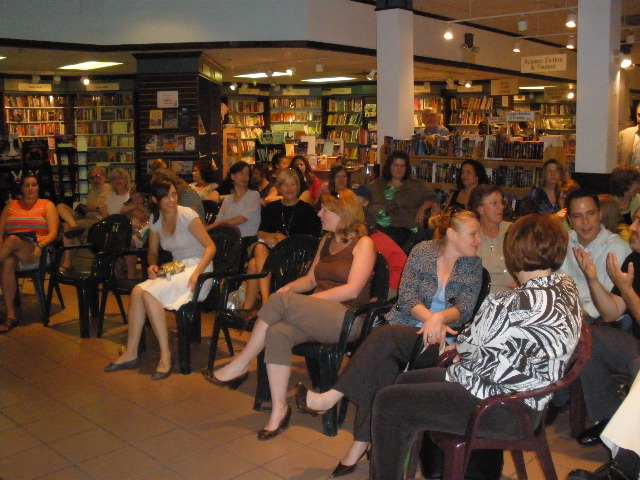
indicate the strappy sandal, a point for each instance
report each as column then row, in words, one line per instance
column 7, row 325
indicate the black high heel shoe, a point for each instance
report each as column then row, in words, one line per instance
column 265, row 434
column 232, row 384
column 342, row 470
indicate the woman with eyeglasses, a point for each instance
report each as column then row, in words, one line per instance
column 400, row 200
column 27, row 225
column 487, row 203
column 438, row 292
column 242, row 207
column 180, row 231
column 339, row 276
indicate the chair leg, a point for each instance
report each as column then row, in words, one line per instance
column 121, row 308
column 38, row 287
column 544, row 456
column 414, row 457
column 195, row 328
column 518, row 461
column 263, row 394
column 102, row 309
column 83, row 311
column 184, row 345
column 328, row 376
column 577, row 409
column 454, row 465
column 52, row 284
column 59, row 293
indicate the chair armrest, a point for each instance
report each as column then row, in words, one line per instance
column 59, row 251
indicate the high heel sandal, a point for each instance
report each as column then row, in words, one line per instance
column 301, row 401
column 342, row 470
column 265, row 434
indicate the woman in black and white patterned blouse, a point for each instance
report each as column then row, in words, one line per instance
column 520, row 340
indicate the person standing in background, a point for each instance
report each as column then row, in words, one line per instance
column 629, row 143
column 431, row 123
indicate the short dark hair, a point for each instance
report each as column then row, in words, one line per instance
column 535, row 242
column 481, row 173
column 207, row 171
column 386, row 169
column 276, row 159
column 159, row 189
column 332, row 176
column 478, row 194
column 581, row 193
column 622, row 178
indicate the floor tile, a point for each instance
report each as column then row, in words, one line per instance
column 58, row 425
column 86, row 445
column 122, row 464
column 215, row 463
column 33, row 463
column 174, row 445
column 15, row 440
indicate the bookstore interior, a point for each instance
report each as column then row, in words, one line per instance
column 242, row 102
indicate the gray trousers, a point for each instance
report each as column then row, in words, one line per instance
column 614, row 351
column 295, row 319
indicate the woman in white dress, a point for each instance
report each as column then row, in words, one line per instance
column 180, row 231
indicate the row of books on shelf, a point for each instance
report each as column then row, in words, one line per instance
column 169, row 143
column 37, row 130
column 105, row 99
column 466, row 118
column 41, row 115
column 344, row 105
column 370, row 110
column 103, row 156
column 245, row 106
column 247, row 120
column 433, row 145
column 557, row 109
column 297, row 102
column 106, row 113
column 34, row 101
column 344, row 118
column 432, row 102
column 351, row 136
column 309, row 116
column 472, row 103
column 496, row 147
column 105, row 141
column 558, row 123
column 250, row 133
column 97, row 128
column 501, row 176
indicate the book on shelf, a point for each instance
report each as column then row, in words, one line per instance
column 155, row 119
column 35, row 153
column 170, row 118
column 327, row 148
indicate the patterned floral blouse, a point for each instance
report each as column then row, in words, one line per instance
column 520, row 340
column 419, row 284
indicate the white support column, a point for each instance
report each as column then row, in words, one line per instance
column 598, row 85
column 395, row 73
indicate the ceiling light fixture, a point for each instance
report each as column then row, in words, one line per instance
column 92, row 65
column 516, row 47
column 2, row 58
column 35, row 79
column 291, row 70
column 450, row 83
column 328, row 79
column 85, row 80
column 468, row 84
column 448, row 32
column 372, row 74
column 571, row 95
column 319, row 68
column 56, row 79
column 276, row 88
column 626, row 63
column 572, row 20
column 269, row 72
column 630, row 38
column 523, row 25
column 571, row 42
column 233, row 86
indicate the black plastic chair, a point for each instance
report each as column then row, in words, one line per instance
column 226, row 262
column 38, row 275
column 324, row 359
column 211, row 210
column 288, row 260
column 106, row 237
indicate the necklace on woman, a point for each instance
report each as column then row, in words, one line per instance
column 286, row 225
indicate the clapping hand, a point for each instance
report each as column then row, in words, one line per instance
column 585, row 262
column 619, row 278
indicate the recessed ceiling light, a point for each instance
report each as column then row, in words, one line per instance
column 571, row 42
column 2, row 58
column 571, row 20
column 85, row 80
column 261, row 75
column 516, row 47
column 89, row 65
column 328, row 79
column 448, row 32
column 535, row 87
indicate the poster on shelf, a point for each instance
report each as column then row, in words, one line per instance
column 10, row 150
column 155, row 119
column 35, row 153
column 167, row 99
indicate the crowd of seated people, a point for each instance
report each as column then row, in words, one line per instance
column 577, row 248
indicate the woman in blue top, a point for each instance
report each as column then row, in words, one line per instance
column 180, row 231
column 438, row 292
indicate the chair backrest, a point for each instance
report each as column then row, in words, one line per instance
column 380, row 281
column 211, row 210
column 228, row 248
column 290, row 259
column 485, row 288
column 111, row 234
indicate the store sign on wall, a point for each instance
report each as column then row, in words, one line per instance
column 34, row 87
column 167, row 99
column 507, row 86
column 98, row 87
column 544, row 63
column 522, row 116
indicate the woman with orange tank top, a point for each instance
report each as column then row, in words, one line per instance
column 339, row 277
column 27, row 224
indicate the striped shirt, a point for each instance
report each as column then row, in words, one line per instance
column 21, row 219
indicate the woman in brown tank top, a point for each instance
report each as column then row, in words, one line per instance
column 339, row 276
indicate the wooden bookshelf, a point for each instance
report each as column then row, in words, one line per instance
column 249, row 116
column 37, row 116
column 296, row 113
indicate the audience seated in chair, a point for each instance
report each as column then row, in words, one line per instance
column 77, row 221
column 340, row 276
column 180, row 231
column 438, row 291
column 520, row 340
column 27, row 225
column 615, row 350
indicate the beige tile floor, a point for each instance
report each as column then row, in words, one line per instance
column 62, row 417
